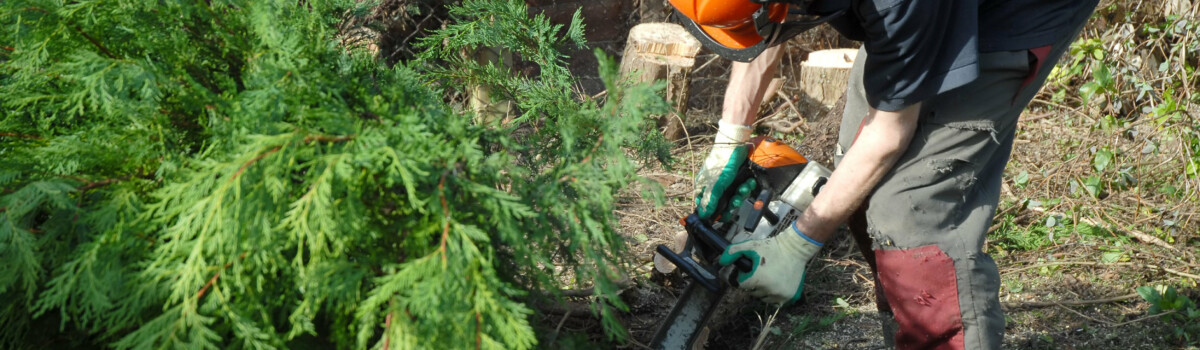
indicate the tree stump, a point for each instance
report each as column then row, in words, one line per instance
column 824, row 75
column 489, row 110
column 662, row 51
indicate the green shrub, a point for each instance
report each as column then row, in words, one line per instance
column 223, row 174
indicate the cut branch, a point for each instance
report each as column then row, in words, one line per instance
column 1072, row 302
column 1149, row 266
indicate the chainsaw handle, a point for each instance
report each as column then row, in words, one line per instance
column 709, row 238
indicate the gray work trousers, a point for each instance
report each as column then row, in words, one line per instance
column 924, row 226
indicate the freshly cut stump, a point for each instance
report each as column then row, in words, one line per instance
column 824, row 75
column 489, row 110
column 662, row 51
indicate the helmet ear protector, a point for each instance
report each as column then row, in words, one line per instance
column 740, row 30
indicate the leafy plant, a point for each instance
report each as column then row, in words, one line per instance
column 1176, row 309
column 805, row 324
column 1102, row 83
column 224, row 174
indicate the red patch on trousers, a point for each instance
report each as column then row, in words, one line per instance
column 1039, row 59
column 1039, row 55
column 923, row 292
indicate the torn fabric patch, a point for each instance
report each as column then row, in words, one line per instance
column 922, row 289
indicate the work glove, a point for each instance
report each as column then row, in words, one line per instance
column 779, row 265
column 720, row 169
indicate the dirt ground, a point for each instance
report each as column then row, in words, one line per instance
column 1056, row 297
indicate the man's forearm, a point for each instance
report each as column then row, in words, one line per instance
column 747, row 84
column 883, row 139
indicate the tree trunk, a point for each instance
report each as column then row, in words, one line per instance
column 824, row 75
column 662, row 51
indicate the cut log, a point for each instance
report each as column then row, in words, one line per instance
column 824, row 75
column 489, row 110
column 666, row 266
column 662, row 51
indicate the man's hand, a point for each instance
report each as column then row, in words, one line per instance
column 721, row 167
column 779, row 265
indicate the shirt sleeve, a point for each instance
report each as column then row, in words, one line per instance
column 917, row 49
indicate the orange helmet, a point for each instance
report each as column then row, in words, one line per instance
column 741, row 29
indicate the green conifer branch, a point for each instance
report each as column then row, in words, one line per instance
column 312, row 173
column 95, row 42
column 20, row 136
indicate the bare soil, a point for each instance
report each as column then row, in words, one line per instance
column 1061, row 295
column 1055, row 297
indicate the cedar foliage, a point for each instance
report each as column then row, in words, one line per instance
column 223, row 174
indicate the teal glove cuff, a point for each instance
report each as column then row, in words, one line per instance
column 706, row 208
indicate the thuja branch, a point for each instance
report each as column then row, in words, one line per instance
column 81, row 33
column 95, row 42
column 101, row 183
column 20, row 136
column 445, row 217
column 328, row 139
column 307, row 139
column 252, row 161
column 90, row 185
column 213, row 281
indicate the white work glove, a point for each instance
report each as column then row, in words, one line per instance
column 728, row 154
column 779, row 265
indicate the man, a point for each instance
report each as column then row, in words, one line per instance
column 931, row 112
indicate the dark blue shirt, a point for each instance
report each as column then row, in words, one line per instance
column 917, row 49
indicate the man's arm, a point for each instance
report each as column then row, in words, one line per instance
column 747, row 84
column 884, row 138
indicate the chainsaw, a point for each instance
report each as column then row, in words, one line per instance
column 772, row 189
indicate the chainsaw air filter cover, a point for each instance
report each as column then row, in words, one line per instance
column 775, row 164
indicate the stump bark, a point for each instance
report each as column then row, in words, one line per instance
column 662, row 51
column 824, row 75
